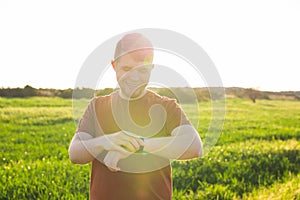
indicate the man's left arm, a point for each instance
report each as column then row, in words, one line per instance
column 184, row 143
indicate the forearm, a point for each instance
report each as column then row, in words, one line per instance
column 184, row 144
column 83, row 148
column 173, row 147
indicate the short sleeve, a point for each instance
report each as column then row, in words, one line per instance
column 87, row 121
column 175, row 116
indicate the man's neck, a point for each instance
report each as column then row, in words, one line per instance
column 123, row 96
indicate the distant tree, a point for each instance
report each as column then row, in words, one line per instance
column 67, row 93
column 253, row 94
column 29, row 91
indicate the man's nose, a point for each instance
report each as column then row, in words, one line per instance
column 134, row 75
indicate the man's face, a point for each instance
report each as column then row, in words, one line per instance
column 133, row 72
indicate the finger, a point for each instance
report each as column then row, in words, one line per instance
column 120, row 148
column 134, row 143
column 109, row 157
column 107, row 160
column 111, row 160
column 131, row 136
column 141, row 142
column 118, row 145
column 113, row 169
column 128, row 145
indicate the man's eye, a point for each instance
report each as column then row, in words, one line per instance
column 143, row 70
column 126, row 69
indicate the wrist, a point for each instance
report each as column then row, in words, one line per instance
column 148, row 145
column 102, row 142
column 141, row 149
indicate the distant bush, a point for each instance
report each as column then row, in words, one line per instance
column 27, row 91
column 104, row 92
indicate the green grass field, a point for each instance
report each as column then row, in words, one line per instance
column 256, row 157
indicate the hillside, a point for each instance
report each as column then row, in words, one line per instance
column 185, row 94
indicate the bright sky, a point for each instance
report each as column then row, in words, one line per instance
column 252, row 43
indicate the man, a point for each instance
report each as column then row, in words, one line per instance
column 131, row 135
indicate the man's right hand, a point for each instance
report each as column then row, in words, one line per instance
column 121, row 142
column 112, row 158
column 84, row 147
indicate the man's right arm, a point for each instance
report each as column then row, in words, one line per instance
column 84, row 148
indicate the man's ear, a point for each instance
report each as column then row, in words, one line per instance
column 113, row 65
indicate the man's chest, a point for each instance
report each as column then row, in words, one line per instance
column 142, row 119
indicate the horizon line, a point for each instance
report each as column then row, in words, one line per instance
column 40, row 88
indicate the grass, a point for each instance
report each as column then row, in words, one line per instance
column 256, row 157
column 289, row 189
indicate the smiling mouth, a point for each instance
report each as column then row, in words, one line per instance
column 134, row 85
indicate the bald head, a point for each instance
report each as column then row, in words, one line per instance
column 134, row 43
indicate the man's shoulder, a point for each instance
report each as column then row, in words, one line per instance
column 100, row 100
column 159, row 98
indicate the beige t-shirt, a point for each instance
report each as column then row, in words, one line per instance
column 141, row 176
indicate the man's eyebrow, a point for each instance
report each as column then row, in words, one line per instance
column 126, row 67
column 138, row 67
